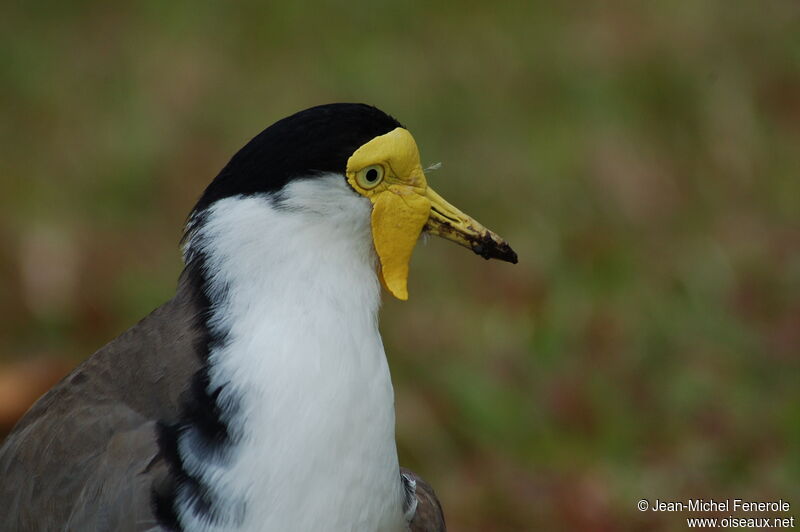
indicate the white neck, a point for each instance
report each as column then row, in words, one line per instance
column 295, row 296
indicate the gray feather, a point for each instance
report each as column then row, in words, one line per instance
column 85, row 456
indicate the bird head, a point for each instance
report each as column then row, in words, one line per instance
column 379, row 160
column 387, row 170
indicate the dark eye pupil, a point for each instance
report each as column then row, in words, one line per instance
column 372, row 175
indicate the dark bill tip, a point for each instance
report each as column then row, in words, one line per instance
column 489, row 248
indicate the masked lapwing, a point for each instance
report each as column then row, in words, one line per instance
column 259, row 397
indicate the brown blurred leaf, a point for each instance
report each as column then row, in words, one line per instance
column 23, row 382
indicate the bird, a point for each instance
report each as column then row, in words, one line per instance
column 259, row 396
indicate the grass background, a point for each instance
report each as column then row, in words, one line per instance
column 642, row 158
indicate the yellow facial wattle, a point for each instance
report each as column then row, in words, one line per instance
column 387, row 170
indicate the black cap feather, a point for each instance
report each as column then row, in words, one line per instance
column 317, row 140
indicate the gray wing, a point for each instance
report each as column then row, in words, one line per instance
column 116, row 492
column 85, row 456
column 428, row 516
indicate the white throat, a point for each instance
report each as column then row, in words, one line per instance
column 295, row 296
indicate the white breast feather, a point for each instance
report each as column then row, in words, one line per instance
column 304, row 358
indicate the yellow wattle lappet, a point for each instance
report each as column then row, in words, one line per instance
column 387, row 170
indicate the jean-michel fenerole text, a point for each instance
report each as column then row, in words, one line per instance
column 721, row 505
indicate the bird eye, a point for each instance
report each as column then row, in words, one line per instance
column 370, row 176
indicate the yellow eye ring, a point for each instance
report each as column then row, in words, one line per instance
column 370, row 176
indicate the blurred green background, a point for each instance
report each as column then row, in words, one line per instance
column 642, row 158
